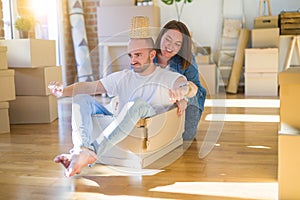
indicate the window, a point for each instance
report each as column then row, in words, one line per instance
column 45, row 13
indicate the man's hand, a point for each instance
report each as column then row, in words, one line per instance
column 181, row 106
column 56, row 88
column 176, row 94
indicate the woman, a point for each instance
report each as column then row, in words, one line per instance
column 174, row 52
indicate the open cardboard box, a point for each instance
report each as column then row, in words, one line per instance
column 151, row 139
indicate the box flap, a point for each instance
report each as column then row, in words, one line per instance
column 290, row 76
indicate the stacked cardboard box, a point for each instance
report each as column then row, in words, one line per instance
column 289, row 134
column 7, row 88
column 261, row 63
column 34, row 66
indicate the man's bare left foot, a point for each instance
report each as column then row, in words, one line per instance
column 64, row 159
column 80, row 160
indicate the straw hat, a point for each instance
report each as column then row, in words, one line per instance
column 140, row 27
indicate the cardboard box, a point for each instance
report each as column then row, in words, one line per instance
column 7, row 85
column 288, row 166
column 3, row 57
column 33, row 109
column 261, row 60
column 117, row 3
column 208, row 77
column 261, row 84
column 117, row 26
column 30, row 52
column 34, row 81
column 289, row 97
column 266, row 22
column 202, row 59
column 4, row 119
column 148, row 142
column 265, row 38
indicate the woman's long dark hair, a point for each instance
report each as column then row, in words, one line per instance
column 185, row 51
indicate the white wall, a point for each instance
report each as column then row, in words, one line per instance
column 204, row 17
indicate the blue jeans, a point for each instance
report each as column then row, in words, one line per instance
column 84, row 106
column 192, row 119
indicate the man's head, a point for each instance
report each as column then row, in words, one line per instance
column 141, row 54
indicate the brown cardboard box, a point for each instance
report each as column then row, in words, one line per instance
column 4, row 119
column 208, row 77
column 202, row 59
column 289, row 82
column 261, row 60
column 7, row 85
column 30, row 52
column 266, row 22
column 261, row 84
column 160, row 135
column 265, row 38
column 3, row 57
column 34, row 81
column 119, row 20
column 33, row 109
column 288, row 166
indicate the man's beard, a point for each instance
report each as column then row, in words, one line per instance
column 143, row 67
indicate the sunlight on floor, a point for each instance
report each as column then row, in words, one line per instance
column 244, row 103
column 259, row 147
column 242, row 118
column 224, row 189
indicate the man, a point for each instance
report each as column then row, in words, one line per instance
column 143, row 92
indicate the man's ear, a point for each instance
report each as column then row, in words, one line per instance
column 152, row 54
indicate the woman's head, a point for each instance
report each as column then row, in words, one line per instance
column 174, row 39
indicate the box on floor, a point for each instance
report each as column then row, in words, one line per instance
column 33, row 109
column 7, row 85
column 147, row 143
column 4, row 119
column 289, row 134
column 288, row 166
column 208, row 77
column 289, row 97
column 3, row 57
column 35, row 52
column 34, row 81
column 261, row 83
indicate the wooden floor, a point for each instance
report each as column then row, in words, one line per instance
column 241, row 165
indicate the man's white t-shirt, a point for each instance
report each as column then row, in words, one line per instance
column 154, row 88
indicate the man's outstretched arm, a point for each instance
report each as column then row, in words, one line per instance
column 93, row 88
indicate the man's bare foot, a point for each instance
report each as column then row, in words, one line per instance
column 64, row 159
column 75, row 162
